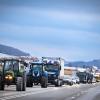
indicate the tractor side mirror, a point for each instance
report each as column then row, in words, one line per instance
column 30, row 66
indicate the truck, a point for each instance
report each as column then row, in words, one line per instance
column 37, row 75
column 85, row 77
column 55, row 68
column 12, row 72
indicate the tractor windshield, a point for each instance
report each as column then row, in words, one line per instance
column 11, row 65
column 52, row 67
column 37, row 67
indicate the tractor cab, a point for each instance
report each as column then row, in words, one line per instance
column 36, row 68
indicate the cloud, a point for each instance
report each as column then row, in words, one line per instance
column 36, row 17
column 71, row 15
column 48, row 21
column 51, row 32
column 55, row 14
column 45, row 34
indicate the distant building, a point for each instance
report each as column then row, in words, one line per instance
column 73, row 70
column 70, row 70
column 81, row 69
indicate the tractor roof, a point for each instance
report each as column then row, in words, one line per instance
column 36, row 63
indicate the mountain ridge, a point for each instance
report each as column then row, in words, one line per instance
column 95, row 62
column 12, row 51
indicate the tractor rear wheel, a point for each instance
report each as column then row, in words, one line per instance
column 24, row 82
column 19, row 84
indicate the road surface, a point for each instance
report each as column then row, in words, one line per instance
column 75, row 92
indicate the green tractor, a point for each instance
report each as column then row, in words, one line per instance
column 12, row 72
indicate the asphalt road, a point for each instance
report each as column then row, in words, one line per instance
column 75, row 92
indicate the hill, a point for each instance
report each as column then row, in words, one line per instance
column 95, row 62
column 12, row 51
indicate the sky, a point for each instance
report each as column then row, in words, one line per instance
column 57, row 28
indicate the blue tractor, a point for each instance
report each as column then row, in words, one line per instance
column 37, row 75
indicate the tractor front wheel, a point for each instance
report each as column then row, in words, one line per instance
column 29, row 82
column 1, row 83
column 44, row 82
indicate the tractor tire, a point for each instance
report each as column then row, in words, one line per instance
column 29, row 81
column 44, row 82
column 1, row 83
column 24, row 83
column 19, row 84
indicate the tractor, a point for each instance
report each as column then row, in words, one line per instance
column 37, row 75
column 12, row 72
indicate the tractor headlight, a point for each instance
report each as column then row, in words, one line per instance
column 6, row 77
column 9, row 77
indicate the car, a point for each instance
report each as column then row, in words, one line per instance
column 75, row 80
column 68, row 80
column 94, row 80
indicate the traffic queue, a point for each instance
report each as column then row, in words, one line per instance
column 43, row 71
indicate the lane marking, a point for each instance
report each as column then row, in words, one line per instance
column 5, row 93
column 31, row 92
column 28, row 93
column 72, row 97
column 22, row 95
column 82, row 92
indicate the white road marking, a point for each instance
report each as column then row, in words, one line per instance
column 22, row 94
column 73, row 86
column 30, row 91
column 82, row 92
column 55, row 88
column 72, row 97
column 94, row 83
column 10, row 92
